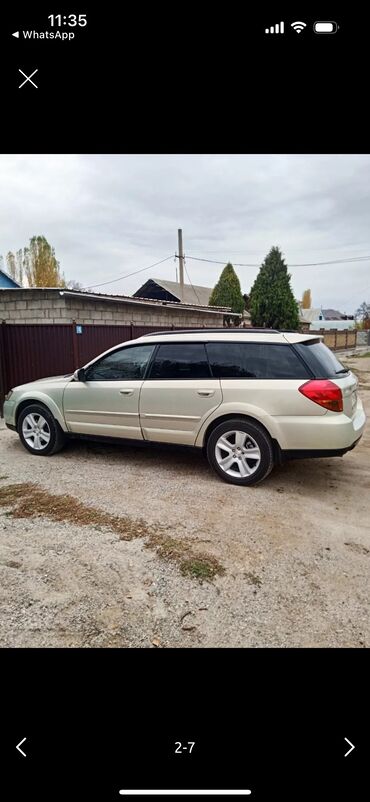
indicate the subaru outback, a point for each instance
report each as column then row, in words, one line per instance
column 249, row 398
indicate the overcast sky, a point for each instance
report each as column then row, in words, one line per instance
column 111, row 215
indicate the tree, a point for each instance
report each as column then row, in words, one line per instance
column 306, row 300
column 74, row 285
column 15, row 266
column 272, row 302
column 227, row 291
column 363, row 311
column 247, row 301
column 41, row 266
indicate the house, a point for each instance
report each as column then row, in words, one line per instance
column 7, row 282
column 163, row 290
column 327, row 319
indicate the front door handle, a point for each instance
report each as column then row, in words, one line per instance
column 126, row 392
column 206, row 393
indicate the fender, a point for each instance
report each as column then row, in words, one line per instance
column 37, row 395
column 268, row 421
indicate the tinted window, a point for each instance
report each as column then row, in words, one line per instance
column 254, row 361
column 323, row 363
column 180, row 361
column 126, row 363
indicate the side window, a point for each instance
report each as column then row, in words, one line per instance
column 126, row 363
column 254, row 361
column 180, row 361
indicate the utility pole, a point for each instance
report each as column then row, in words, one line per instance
column 181, row 263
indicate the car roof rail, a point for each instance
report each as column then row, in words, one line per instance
column 203, row 330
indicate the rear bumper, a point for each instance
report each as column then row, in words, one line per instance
column 330, row 432
column 316, row 453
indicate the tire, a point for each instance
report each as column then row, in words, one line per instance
column 36, row 425
column 229, row 444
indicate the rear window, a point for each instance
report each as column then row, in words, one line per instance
column 320, row 359
column 255, row 361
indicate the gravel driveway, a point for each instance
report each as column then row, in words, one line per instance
column 293, row 554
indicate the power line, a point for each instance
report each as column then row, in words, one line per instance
column 302, row 264
column 193, row 288
column 127, row 275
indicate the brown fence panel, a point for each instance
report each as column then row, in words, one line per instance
column 36, row 351
column 95, row 339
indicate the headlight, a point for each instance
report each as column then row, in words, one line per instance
column 10, row 393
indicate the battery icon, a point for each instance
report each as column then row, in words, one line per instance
column 325, row 27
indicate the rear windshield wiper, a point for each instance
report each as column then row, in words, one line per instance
column 342, row 370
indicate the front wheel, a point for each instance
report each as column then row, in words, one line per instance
column 240, row 451
column 39, row 432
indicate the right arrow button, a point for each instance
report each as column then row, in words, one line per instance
column 352, row 747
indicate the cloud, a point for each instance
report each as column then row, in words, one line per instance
column 107, row 215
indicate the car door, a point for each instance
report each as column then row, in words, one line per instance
column 107, row 402
column 178, row 394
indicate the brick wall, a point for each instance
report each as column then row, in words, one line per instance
column 47, row 306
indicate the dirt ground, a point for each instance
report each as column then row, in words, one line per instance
column 291, row 556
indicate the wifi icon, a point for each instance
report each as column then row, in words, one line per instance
column 298, row 26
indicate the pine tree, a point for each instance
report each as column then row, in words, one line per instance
column 227, row 291
column 272, row 302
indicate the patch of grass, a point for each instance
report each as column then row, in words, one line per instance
column 29, row 501
column 360, row 356
column 201, row 567
column 253, row 578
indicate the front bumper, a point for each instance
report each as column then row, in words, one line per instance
column 9, row 413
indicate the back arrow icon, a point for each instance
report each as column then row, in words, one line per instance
column 19, row 747
column 351, row 749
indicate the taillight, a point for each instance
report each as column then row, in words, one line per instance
column 323, row 392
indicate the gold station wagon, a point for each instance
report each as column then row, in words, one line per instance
column 250, row 398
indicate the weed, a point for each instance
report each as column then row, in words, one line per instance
column 29, row 501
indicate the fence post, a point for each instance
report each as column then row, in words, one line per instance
column 346, row 345
column 3, row 372
column 76, row 353
column 335, row 339
column 132, row 337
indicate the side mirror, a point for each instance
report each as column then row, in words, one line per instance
column 79, row 375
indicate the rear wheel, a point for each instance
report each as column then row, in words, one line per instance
column 39, row 432
column 240, row 451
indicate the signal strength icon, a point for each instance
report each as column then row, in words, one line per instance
column 298, row 26
column 278, row 28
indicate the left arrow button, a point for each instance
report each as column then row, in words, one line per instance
column 19, row 747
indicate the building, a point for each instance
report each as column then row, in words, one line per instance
column 163, row 290
column 327, row 319
column 49, row 305
column 7, row 282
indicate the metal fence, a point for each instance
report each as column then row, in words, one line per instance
column 35, row 351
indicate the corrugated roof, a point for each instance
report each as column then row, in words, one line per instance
column 310, row 314
column 193, row 294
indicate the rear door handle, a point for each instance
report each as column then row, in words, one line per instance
column 206, row 393
column 126, row 392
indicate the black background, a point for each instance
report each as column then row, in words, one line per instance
column 168, row 79
column 271, row 720
column 172, row 79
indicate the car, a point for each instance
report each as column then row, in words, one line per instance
column 250, row 398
